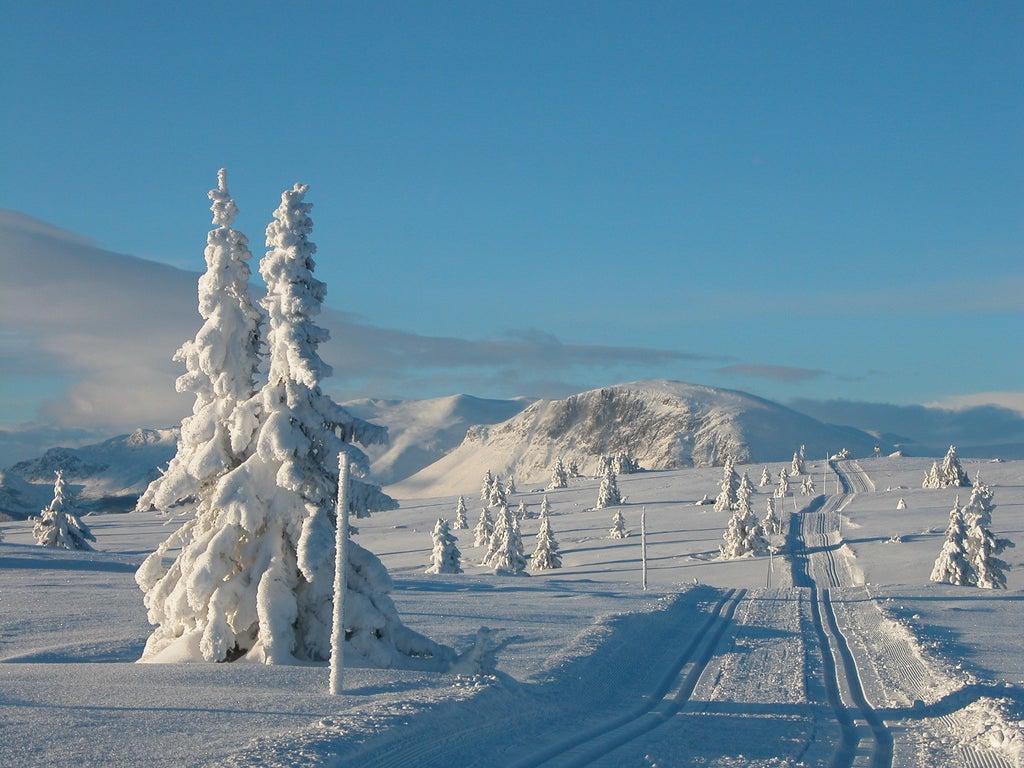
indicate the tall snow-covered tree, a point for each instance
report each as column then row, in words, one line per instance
column 608, row 493
column 59, row 524
column 545, row 555
column 952, row 566
column 743, row 534
column 559, row 477
column 545, row 507
column 951, row 473
column 932, row 480
column 796, row 467
column 618, row 529
column 727, row 497
column 766, row 477
column 506, row 555
column 445, row 557
column 783, row 487
column 498, row 497
column 770, row 523
column 461, row 523
column 254, row 575
column 981, row 547
column 484, row 529
column 486, row 487
column 220, row 365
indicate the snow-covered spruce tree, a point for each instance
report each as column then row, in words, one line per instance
column 522, row 513
column 608, row 492
column 484, row 529
column 545, row 557
column 951, row 474
column 559, row 477
column 573, row 468
column 624, row 464
column 770, row 523
column 796, row 467
column 510, row 486
column 498, row 497
column 951, row 566
column 931, row 478
column 461, row 523
column 255, row 573
column 486, row 487
column 220, row 365
column 743, row 535
column 901, row 504
column 445, row 557
column 545, row 507
column 729, row 486
column 981, row 547
column 505, row 555
column 618, row 529
column 766, row 477
column 783, row 488
column 807, row 486
column 59, row 524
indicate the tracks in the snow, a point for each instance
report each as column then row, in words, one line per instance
column 866, row 739
column 667, row 700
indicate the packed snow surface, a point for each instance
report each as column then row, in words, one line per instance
column 836, row 651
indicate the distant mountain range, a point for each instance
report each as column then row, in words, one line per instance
column 443, row 446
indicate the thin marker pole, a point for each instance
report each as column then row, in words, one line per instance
column 643, row 544
column 340, row 575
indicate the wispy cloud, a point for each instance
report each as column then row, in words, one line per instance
column 780, row 373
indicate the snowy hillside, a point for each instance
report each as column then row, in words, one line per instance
column 663, row 424
column 422, row 431
column 838, row 652
column 113, row 472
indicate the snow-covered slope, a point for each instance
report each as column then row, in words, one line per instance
column 422, row 431
column 113, row 472
column 663, row 424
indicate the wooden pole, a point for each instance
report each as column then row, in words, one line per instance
column 340, row 574
column 643, row 544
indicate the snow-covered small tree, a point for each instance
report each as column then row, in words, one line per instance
column 461, row 523
column 573, row 468
column 497, row 497
column 484, row 529
column 618, row 529
column 559, row 477
column 486, row 487
column 59, row 524
column 545, row 507
column 623, row 463
column 220, row 365
column 510, row 486
column 796, row 467
column 931, row 478
column 545, row 555
column 743, row 534
column 727, row 497
column 901, row 504
column 783, row 487
column 522, row 513
column 807, row 486
column 981, row 547
column 506, row 551
column 951, row 474
column 608, row 492
column 446, row 557
column 770, row 523
column 952, row 566
column 766, row 477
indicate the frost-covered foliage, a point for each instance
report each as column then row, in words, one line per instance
column 505, row 553
column 727, row 497
column 59, row 524
column 608, row 492
column 445, row 557
column 618, row 529
column 766, row 477
column 545, row 557
column 254, row 574
column 950, row 475
column 559, row 476
column 220, row 365
column 743, row 534
column 970, row 552
column 484, row 529
column 461, row 523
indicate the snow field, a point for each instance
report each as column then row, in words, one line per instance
column 581, row 647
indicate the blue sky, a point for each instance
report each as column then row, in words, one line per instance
column 801, row 200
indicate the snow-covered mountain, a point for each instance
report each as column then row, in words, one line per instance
column 663, row 424
column 113, row 472
column 423, row 431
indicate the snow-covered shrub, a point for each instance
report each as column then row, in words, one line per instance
column 445, row 557
column 59, row 524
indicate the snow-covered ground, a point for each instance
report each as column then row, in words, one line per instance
column 738, row 663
